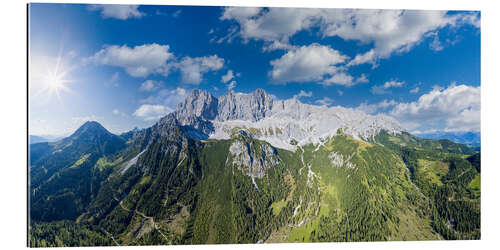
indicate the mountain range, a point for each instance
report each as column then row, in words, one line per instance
column 43, row 138
column 244, row 168
column 472, row 139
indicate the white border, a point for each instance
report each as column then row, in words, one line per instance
column 13, row 118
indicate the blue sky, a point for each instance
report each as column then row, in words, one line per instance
column 126, row 66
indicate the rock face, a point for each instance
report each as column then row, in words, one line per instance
column 275, row 121
column 198, row 104
column 248, row 107
column 338, row 160
column 252, row 159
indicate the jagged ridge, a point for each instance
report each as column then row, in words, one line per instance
column 275, row 121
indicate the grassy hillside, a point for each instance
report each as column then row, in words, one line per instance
column 182, row 191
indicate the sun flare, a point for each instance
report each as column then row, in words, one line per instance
column 55, row 80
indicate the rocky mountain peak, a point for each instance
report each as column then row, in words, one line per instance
column 198, row 104
column 90, row 129
column 276, row 121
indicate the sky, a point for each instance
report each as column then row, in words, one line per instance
column 126, row 66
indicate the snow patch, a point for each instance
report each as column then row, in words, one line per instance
column 131, row 162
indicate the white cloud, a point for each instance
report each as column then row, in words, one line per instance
column 118, row 112
column 393, row 83
column 314, row 62
column 240, row 14
column 139, row 61
column 341, row 79
column 227, row 77
column 379, row 90
column 436, row 44
column 276, row 45
column 456, row 107
column 169, row 98
column 192, row 69
column 415, row 90
column 362, row 79
column 376, row 107
column 231, row 85
column 117, row 11
column 325, row 101
column 303, row 93
column 272, row 24
column 307, row 63
column 160, row 104
column 147, row 59
column 383, row 89
column 340, row 92
column 389, row 30
column 148, row 112
column 344, row 79
column 149, row 85
column 368, row 57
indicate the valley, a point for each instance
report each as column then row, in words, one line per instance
column 244, row 168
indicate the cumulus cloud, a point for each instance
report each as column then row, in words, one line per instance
column 117, row 11
column 325, row 101
column 314, row 62
column 166, row 97
column 148, row 59
column 303, row 93
column 270, row 24
column 139, row 61
column 344, row 79
column 227, row 77
column 368, row 57
column 148, row 112
column 340, row 78
column 457, row 108
column 192, row 69
column 389, row 30
column 383, row 89
column 149, row 85
column 307, row 63
column 415, row 90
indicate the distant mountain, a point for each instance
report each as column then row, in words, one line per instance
column 472, row 139
column 36, row 139
column 45, row 138
column 62, row 173
column 244, row 168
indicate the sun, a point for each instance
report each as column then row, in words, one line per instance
column 55, row 80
